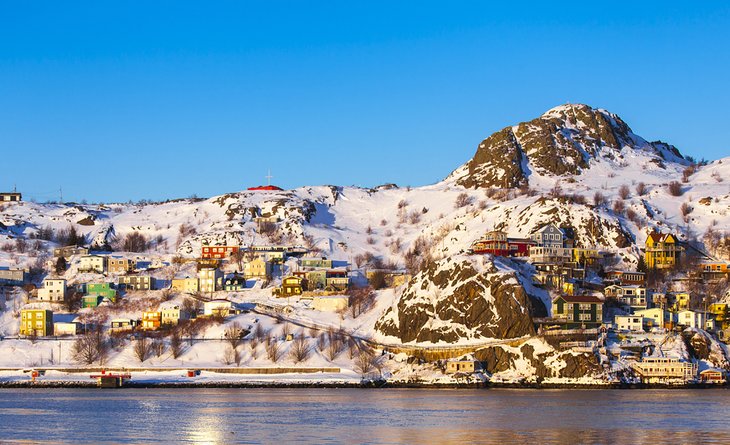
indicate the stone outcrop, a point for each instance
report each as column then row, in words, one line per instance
column 459, row 298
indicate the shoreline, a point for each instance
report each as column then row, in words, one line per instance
column 359, row 385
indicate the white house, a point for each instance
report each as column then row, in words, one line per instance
column 330, row 303
column 634, row 323
column 172, row 313
column 633, row 296
column 695, row 319
column 657, row 317
column 54, row 289
column 218, row 307
column 66, row 328
column 92, row 263
column 211, row 279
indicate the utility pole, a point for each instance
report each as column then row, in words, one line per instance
column 60, row 191
column 268, row 178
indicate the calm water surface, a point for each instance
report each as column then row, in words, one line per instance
column 316, row 416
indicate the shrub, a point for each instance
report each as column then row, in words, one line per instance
column 675, row 188
column 623, row 191
column 619, row 207
column 641, row 189
column 599, row 199
column 462, row 200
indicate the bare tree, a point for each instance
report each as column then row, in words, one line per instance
column 90, row 347
column 253, row 345
column 641, row 189
column 286, row 330
column 300, row 349
column 176, row 343
column 232, row 355
column 273, row 349
column 142, row 348
column 334, row 345
column 135, row 242
column 234, row 334
column 363, row 363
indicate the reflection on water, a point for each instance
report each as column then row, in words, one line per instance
column 215, row 416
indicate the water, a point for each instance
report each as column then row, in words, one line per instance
column 319, row 416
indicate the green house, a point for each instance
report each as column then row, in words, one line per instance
column 103, row 290
column 91, row 301
column 578, row 311
column 234, row 283
column 323, row 263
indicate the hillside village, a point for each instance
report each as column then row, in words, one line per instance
column 567, row 251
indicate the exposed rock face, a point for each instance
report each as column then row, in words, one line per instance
column 459, row 298
column 536, row 359
column 561, row 142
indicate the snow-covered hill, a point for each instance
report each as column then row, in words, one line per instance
column 577, row 166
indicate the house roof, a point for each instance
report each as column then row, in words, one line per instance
column 580, row 299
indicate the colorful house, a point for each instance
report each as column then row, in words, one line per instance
column 290, row 286
column 258, row 268
column 493, row 242
column 36, row 322
column 123, row 324
column 337, row 280
column 151, row 320
column 218, row 252
column 104, row 290
column 136, row 282
column 120, row 265
column 624, row 278
column 720, row 312
column 662, row 251
column 318, row 263
column 579, row 310
column 234, row 283
column 186, row 285
column 632, row 296
column 91, row 301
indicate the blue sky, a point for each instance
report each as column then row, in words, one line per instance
column 134, row 100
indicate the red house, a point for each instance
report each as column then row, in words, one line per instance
column 494, row 242
column 265, row 188
column 218, row 252
column 520, row 246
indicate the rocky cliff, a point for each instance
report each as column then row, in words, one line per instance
column 562, row 142
column 461, row 298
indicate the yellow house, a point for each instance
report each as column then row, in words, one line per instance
column 662, row 251
column 36, row 322
column 290, row 286
column 681, row 301
column 720, row 311
column 257, row 268
column 186, row 285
